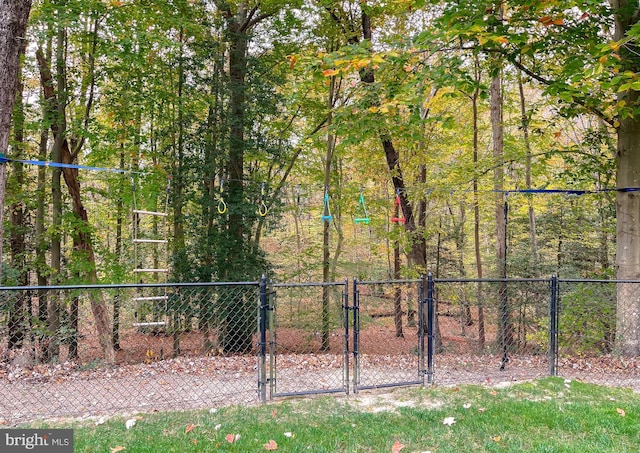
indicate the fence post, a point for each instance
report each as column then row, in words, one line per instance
column 421, row 329
column 345, row 314
column 356, row 336
column 262, row 368
column 430, row 327
column 553, row 327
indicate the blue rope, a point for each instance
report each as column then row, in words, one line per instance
column 4, row 159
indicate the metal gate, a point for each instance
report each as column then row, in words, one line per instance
column 388, row 333
column 315, row 339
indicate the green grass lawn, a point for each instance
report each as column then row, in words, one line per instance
column 549, row 415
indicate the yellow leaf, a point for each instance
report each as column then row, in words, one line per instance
column 502, row 39
column 621, row 412
column 497, row 438
column 330, row 72
column 359, row 64
column 373, row 109
column 292, row 61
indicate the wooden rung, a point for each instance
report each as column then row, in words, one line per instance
column 160, row 214
column 151, row 298
column 149, row 324
column 150, row 241
column 151, row 270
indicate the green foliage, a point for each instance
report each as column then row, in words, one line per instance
column 588, row 318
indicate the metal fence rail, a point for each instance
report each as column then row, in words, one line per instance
column 201, row 345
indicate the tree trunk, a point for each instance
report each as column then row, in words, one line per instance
column 13, row 23
column 236, row 337
column 505, row 332
column 41, row 267
column 82, row 237
column 628, row 230
column 327, row 221
column 627, row 197
column 20, row 311
column 524, row 124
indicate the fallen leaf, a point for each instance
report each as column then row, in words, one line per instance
column 274, row 413
column 217, row 427
column 230, row 438
column 449, row 421
column 493, row 393
column 482, row 409
column 288, row 434
column 621, row 412
column 189, row 428
column 271, row 445
column 117, row 448
column 396, row 447
column 496, row 438
column 130, row 423
column 466, row 405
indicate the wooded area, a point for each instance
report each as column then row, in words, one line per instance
column 317, row 140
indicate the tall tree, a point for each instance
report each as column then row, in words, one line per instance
column 13, row 23
column 69, row 148
column 627, row 25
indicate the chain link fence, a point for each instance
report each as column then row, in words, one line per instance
column 491, row 330
column 173, row 347
column 91, row 350
column 592, row 315
column 388, row 334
